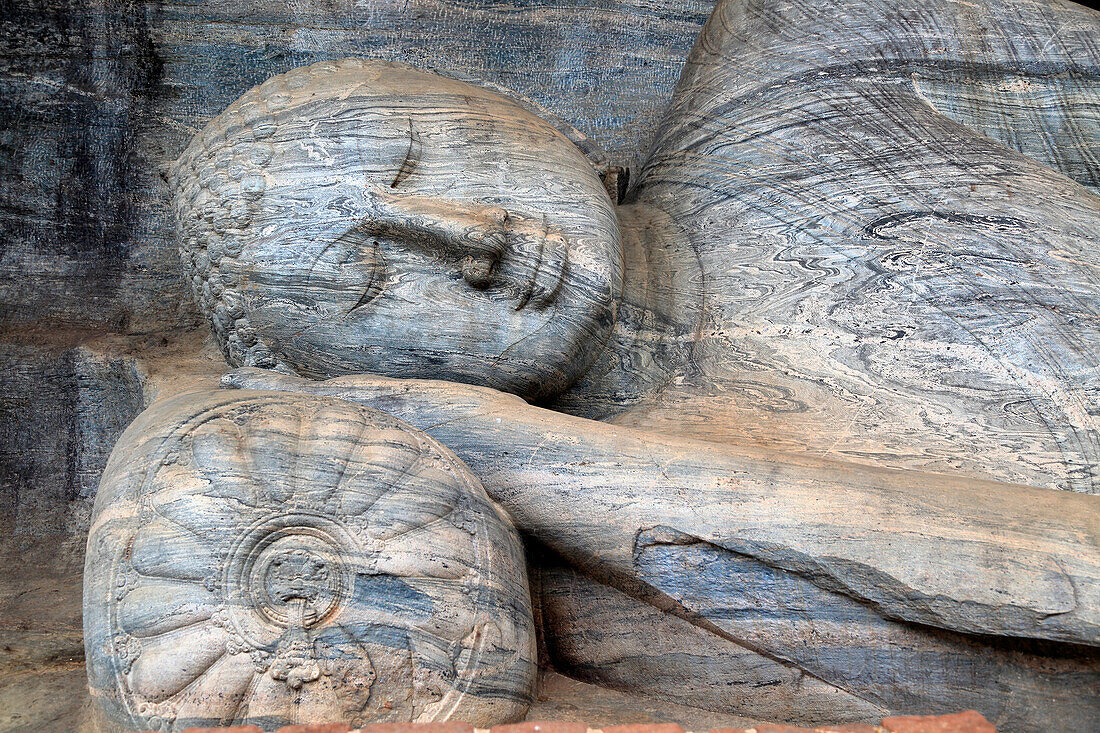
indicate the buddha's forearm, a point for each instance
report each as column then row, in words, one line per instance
column 968, row 555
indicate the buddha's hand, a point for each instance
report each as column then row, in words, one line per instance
column 420, row 402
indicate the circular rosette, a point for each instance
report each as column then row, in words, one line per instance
column 269, row 558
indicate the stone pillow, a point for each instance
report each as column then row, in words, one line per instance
column 268, row 558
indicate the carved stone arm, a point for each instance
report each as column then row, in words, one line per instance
column 971, row 556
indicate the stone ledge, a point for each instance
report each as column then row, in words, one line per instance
column 969, row 721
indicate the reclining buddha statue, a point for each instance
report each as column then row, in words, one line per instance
column 803, row 425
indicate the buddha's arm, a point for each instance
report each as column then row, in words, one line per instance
column 973, row 556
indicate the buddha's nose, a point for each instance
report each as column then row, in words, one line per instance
column 476, row 234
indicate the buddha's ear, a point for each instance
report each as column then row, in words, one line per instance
column 616, row 180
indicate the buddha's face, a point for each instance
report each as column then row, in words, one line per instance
column 404, row 224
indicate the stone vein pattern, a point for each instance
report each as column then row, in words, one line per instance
column 838, row 244
column 701, row 571
column 825, row 368
column 271, row 559
column 86, row 225
column 333, row 218
column 894, row 214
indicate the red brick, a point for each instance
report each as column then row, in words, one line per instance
column 541, row 726
column 236, row 729
column 448, row 727
column 966, row 722
column 316, row 728
column 780, row 728
column 644, row 728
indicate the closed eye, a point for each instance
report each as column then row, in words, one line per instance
column 412, row 157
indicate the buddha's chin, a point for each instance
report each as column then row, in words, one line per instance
column 533, row 371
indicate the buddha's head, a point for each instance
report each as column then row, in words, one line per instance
column 368, row 217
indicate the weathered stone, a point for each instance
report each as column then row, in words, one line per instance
column 344, row 279
column 795, row 379
column 757, row 561
column 62, row 407
column 674, row 660
column 271, row 559
column 96, row 99
column 567, row 699
column 773, row 303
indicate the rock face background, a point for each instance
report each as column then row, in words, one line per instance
column 96, row 98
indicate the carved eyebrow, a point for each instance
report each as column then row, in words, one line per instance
column 412, row 157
